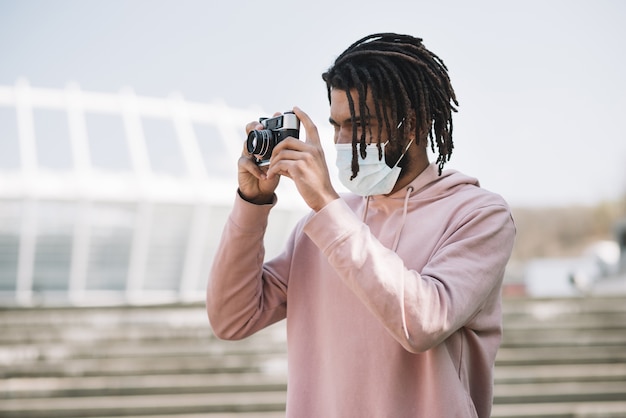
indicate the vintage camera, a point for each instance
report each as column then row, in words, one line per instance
column 261, row 143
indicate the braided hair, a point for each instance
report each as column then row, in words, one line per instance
column 402, row 77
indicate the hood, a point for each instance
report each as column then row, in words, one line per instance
column 428, row 185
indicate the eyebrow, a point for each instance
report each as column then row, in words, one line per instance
column 356, row 120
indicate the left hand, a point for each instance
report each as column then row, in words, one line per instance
column 305, row 164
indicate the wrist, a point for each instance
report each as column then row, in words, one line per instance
column 258, row 200
column 321, row 204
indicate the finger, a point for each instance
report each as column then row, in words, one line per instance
column 253, row 126
column 247, row 164
column 289, row 143
column 281, row 167
column 312, row 136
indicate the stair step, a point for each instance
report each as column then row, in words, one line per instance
column 563, row 337
column 146, row 366
column 608, row 372
column 560, row 392
column 613, row 409
column 140, row 385
column 256, row 414
column 95, row 406
column 567, row 355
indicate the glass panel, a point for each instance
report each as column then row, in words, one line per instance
column 52, row 139
column 163, row 149
column 218, row 217
column 107, row 142
column 9, row 145
column 53, row 250
column 111, row 237
column 10, row 221
column 168, row 245
column 214, row 152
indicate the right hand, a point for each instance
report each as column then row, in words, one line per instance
column 253, row 183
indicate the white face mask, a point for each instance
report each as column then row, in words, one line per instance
column 374, row 177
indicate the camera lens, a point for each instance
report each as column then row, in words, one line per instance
column 259, row 142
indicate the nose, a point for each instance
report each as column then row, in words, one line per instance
column 343, row 135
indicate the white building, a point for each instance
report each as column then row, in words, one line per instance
column 116, row 198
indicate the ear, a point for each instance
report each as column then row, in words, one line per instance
column 426, row 124
column 409, row 126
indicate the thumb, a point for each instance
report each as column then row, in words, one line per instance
column 312, row 136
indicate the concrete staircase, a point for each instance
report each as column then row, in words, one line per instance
column 135, row 361
column 562, row 358
column 559, row 358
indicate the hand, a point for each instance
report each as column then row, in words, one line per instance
column 254, row 186
column 304, row 163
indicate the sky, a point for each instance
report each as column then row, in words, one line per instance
column 540, row 83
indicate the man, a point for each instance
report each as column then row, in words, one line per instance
column 391, row 293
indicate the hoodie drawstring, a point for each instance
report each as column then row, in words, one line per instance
column 367, row 205
column 396, row 240
column 404, row 211
column 405, row 327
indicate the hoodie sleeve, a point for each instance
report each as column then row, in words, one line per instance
column 241, row 298
column 419, row 308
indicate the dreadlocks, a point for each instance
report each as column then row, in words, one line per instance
column 403, row 77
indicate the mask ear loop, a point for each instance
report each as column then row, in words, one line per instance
column 404, row 152
column 407, row 145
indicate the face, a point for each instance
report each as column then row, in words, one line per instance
column 415, row 159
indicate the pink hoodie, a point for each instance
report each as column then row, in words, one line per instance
column 392, row 303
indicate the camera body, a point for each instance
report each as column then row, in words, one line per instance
column 261, row 143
